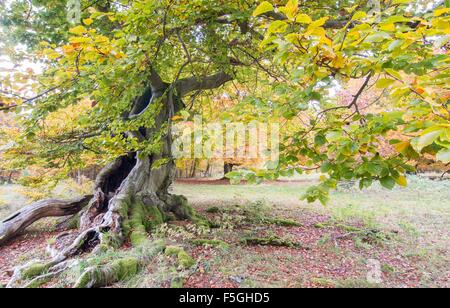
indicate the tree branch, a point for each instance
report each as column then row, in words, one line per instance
column 188, row 85
column 330, row 24
column 156, row 82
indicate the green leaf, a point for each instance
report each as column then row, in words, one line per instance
column 395, row 44
column 384, row 83
column 395, row 2
column 428, row 138
column 396, row 18
column 374, row 169
column 320, row 140
column 277, row 26
column 263, row 8
column 377, row 37
column 444, row 156
column 393, row 73
column 326, row 167
column 334, row 136
column 388, row 182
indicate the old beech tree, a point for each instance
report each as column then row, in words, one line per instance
column 129, row 67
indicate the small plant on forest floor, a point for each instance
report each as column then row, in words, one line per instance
column 356, row 284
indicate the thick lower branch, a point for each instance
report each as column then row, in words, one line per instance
column 185, row 86
column 19, row 221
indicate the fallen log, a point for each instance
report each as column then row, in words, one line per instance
column 22, row 219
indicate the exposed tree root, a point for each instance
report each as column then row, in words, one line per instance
column 118, row 270
column 213, row 243
column 184, row 259
column 272, row 241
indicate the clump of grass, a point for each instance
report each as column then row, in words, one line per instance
column 356, row 284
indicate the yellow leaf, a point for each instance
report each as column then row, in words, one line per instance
column 402, row 146
column 402, row 181
column 277, row 26
column 78, row 30
column 393, row 73
column 264, row 7
column 79, row 40
column 325, row 40
column 390, row 27
column 441, row 12
column 176, row 118
column 88, row 21
column 318, row 23
column 339, row 62
column 303, row 19
column 384, row 83
column 359, row 15
column 320, row 32
column 291, row 9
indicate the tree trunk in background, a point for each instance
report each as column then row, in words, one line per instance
column 227, row 169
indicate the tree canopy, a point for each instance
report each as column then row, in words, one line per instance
column 288, row 57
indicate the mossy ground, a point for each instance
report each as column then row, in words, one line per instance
column 413, row 254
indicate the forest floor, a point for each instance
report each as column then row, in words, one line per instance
column 397, row 238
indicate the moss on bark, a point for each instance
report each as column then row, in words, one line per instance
column 184, row 259
column 34, row 270
column 118, row 270
column 270, row 241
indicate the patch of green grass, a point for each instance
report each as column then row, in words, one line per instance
column 355, row 284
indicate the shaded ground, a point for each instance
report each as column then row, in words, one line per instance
column 405, row 231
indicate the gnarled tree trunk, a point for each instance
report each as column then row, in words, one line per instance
column 131, row 195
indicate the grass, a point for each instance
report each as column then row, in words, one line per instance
column 406, row 230
column 412, row 245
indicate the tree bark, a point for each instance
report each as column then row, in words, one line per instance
column 19, row 221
